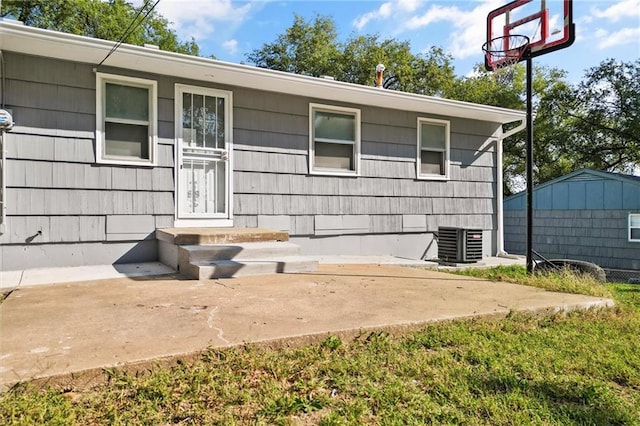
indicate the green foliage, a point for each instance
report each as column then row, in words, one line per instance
column 604, row 113
column 99, row 19
column 575, row 368
column 332, row 343
column 504, row 88
column 307, row 48
column 594, row 124
column 312, row 48
column 563, row 281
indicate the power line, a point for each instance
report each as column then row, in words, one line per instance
column 132, row 26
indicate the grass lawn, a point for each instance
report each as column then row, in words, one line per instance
column 582, row 368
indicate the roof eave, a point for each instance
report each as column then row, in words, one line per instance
column 19, row 38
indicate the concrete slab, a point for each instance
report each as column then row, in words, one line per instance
column 43, row 276
column 72, row 331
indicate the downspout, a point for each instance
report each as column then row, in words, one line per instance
column 3, row 207
column 3, row 163
column 500, row 198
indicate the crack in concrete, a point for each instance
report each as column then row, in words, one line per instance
column 210, row 319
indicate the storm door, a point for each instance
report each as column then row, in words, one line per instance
column 203, row 144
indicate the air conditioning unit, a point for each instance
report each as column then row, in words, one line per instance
column 459, row 245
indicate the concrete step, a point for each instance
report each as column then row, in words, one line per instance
column 205, row 253
column 204, row 270
column 257, row 250
column 187, row 236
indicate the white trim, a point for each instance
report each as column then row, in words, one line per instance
column 203, row 223
column 630, row 239
column 215, row 220
column 355, row 112
column 500, row 182
column 152, row 86
column 35, row 41
column 447, row 149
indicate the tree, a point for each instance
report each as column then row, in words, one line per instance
column 552, row 131
column 312, row 48
column 594, row 124
column 308, row 48
column 502, row 88
column 99, row 19
column 604, row 111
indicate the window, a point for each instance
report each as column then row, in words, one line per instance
column 634, row 227
column 334, row 142
column 126, row 130
column 433, row 149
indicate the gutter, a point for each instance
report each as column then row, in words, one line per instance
column 500, row 197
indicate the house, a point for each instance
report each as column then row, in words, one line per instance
column 586, row 215
column 102, row 154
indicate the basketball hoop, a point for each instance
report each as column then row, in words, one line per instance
column 504, row 49
column 504, row 52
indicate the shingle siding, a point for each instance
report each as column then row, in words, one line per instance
column 583, row 216
column 57, row 194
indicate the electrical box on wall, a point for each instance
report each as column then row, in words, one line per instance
column 6, row 120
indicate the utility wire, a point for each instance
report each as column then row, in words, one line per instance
column 132, row 26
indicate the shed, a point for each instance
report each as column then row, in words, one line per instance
column 586, row 215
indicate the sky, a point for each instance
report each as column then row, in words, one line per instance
column 232, row 29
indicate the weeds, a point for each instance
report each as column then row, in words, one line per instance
column 563, row 281
column 578, row 368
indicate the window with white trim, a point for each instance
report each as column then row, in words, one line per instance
column 634, row 227
column 126, row 111
column 433, row 149
column 334, row 141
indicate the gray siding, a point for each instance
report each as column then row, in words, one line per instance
column 272, row 179
column 597, row 236
column 62, row 207
column 60, row 201
column 583, row 216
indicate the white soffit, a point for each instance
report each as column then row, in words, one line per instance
column 17, row 37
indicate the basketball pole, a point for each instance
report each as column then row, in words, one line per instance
column 529, row 64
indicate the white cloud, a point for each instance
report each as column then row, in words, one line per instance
column 434, row 14
column 601, row 33
column 198, row 18
column 397, row 8
column 231, row 46
column 617, row 38
column 409, row 5
column 471, row 30
column 618, row 10
column 612, row 21
column 384, row 11
column 469, row 26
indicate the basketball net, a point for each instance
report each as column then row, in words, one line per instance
column 503, row 53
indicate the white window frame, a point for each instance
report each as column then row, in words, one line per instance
column 636, row 240
column 356, row 143
column 101, row 80
column 447, row 150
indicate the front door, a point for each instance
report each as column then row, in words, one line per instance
column 203, row 145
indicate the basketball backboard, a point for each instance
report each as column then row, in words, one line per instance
column 547, row 23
